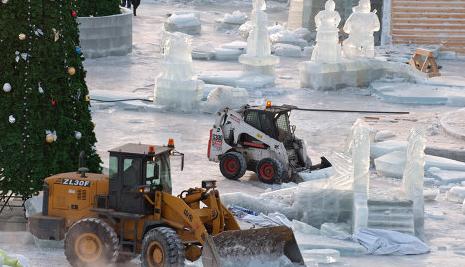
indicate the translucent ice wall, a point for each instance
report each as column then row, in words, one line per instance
column 177, row 55
column 360, row 26
column 413, row 177
column 327, row 48
column 258, row 42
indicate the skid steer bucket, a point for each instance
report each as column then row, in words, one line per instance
column 232, row 248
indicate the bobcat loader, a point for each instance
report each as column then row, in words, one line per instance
column 259, row 139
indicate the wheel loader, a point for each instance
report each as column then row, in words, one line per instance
column 259, row 139
column 108, row 219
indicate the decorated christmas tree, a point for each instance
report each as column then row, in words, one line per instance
column 98, row 8
column 45, row 117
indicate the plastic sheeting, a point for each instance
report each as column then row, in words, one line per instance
column 385, row 242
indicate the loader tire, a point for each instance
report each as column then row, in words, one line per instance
column 270, row 171
column 162, row 247
column 233, row 165
column 91, row 242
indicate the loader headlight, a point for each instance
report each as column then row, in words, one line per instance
column 207, row 184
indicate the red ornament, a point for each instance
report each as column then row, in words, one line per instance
column 74, row 13
column 54, row 103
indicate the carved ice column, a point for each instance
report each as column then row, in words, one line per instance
column 360, row 148
column 413, row 177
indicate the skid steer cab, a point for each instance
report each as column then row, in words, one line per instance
column 108, row 219
column 259, row 139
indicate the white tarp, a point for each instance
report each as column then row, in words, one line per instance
column 385, row 242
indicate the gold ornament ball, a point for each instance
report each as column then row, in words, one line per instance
column 49, row 138
column 71, row 71
column 22, row 36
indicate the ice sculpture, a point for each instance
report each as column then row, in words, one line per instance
column 327, row 48
column 360, row 26
column 258, row 56
column 176, row 87
column 413, row 177
column 360, row 148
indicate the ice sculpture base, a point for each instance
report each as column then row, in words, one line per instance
column 347, row 73
column 251, row 78
column 179, row 95
column 259, row 61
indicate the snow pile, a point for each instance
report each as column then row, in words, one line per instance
column 287, row 50
column 288, row 37
column 456, row 194
column 384, row 135
column 304, row 33
column 430, row 194
column 188, row 23
column 225, row 96
column 237, row 17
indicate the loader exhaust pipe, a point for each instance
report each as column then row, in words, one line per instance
column 231, row 247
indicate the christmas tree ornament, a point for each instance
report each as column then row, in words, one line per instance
column 4, row 1
column 56, row 35
column 7, row 87
column 53, row 102
column 87, row 98
column 71, row 71
column 11, row 119
column 74, row 13
column 50, row 136
column 40, row 89
column 22, row 36
column 78, row 135
column 78, row 50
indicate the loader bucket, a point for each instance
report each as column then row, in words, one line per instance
column 324, row 164
column 230, row 248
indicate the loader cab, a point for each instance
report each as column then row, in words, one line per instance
column 273, row 121
column 133, row 166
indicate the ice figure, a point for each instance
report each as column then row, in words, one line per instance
column 360, row 26
column 327, row 48
column 176, row 87
column 258, row 56
column 360, row 148
column 413, row 177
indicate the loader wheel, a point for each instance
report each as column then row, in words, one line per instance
column 233, row 165
column 162, row 247
column 91, row 242
column 270, row 171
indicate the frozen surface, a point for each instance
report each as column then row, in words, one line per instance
column 327, row 48
column 456, row 194
column 360, row 26
column 413, row 93
column 188, row 23
column 412, row 179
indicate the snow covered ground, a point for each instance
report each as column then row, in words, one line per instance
column 117, row 124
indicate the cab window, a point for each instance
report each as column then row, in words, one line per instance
column 113, row 171
column 131, row 172
column 152, row 173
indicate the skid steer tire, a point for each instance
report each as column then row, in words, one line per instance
column 233, row 165
column 270, row 171
column 91, row 242
column 162, row 247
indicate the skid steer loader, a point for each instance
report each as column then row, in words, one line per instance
column 259, row 139
column 108, row 219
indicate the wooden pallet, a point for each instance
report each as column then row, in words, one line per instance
column 423, row 60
